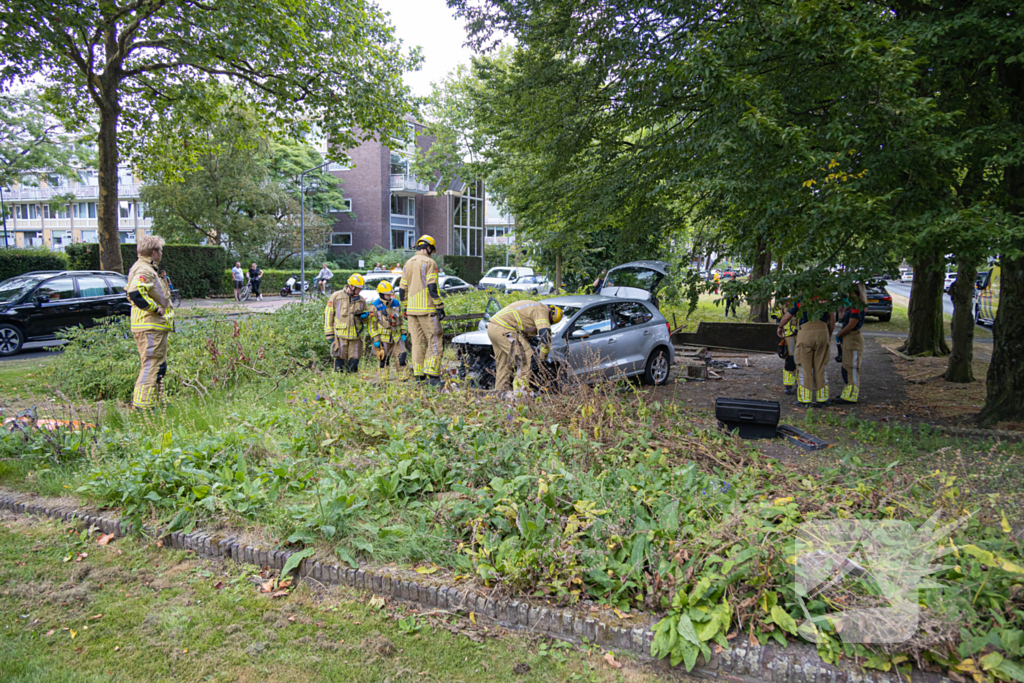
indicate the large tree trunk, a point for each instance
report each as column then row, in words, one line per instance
column 962, row 292
column 926, row 336
column 762, row 266
column 110, row 111
column 558, row 272
column 1004, row 399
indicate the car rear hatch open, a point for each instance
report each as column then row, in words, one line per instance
column 635, row 280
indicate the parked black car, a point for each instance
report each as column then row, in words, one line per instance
column 37, row 305
column 879, row 303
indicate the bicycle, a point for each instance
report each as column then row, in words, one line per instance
column 175, row 298
column 328, row 290
column 245, row 292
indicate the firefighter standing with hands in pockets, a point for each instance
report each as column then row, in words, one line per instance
column 344, row 318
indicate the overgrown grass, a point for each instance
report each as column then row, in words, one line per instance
column 75, row 611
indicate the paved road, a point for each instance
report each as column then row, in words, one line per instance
column 903, row 289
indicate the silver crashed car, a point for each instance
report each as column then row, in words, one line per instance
column 617, row 332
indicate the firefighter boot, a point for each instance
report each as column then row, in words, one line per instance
column 353, row 365
column 339, row 365
column 401, row 359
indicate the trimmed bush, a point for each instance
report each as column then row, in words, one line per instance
column 194, row 270
column 14, row 262
column 466, row 267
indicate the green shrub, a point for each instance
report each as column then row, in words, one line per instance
column 204, row 355
column 195, row 270
column 465, row 267
column 14, row 262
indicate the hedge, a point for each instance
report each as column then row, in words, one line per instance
column 14, row 262
column 466, row 267
column 194, row 270
column 273, row 280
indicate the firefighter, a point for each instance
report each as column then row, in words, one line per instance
column 510, row 330
column 344, row 318
column 851, row 344
column 424, row 311
column 386, row 331
column 151, row 321
column 812, row 343
column 789, row 340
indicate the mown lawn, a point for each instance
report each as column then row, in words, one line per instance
column 75, row 611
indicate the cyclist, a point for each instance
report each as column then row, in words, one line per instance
column 322, row 277
column 255, row 275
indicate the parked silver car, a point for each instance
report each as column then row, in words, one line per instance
column 619, row 332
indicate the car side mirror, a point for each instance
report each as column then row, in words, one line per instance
column 42, row 299
column 579, row 334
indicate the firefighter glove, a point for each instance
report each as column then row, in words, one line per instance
column 403, row 337
column 377, row 343
column 364, row 315
column 440, row 313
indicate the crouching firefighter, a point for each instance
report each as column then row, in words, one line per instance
column 851, row 344
column 344, row 319
column 510, row 331
column 151, row 321
column 386, row 327
column 424, row 310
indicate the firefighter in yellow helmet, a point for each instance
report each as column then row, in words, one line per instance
column 510, row 330
column 151, row 321
column 789, row 331
column 421, row 303
column 386, row 329
column 344, row 318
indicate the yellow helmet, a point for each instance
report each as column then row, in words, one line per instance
column 426, row 242
column 385, row 288
column 556, row 314
column 356, row 280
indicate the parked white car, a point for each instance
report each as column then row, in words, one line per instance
column 948, row 282
column 907, row 276
column 534, row 284
column 501, row 277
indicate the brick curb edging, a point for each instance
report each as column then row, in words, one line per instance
column 798, row 663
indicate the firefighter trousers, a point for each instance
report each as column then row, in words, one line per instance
column 789, row 369
column 509, row 352
column 853, row 352
column 425, row 335
column 152, row 345
column 812, row 344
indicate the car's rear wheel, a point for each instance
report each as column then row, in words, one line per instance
column 657, row 370
column 534, row 291
column 885, row 318
column 11, row 340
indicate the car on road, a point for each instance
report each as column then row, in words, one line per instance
column 534, row 284
column 37, row 306
column 618, row 332
column 879, row 303
column 501, row 277
column 948, row 282
column 907, row 275
column 446, row 284
column 449, row 284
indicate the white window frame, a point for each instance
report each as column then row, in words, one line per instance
column 346, row 206
column 341, row 234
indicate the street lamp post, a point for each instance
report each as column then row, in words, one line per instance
column 3, row 212
column 302, row 226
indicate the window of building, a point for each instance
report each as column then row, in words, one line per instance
column 141, row 208
column 89, row 178
column 341, row 239
column 469, row 222
column 127, row 236
column 403, row 239
column 26, row 212
column 84, row 210
column 90, row 236
column 60, row 239
column 402, row 206
column 346, row 206
column 126, row 209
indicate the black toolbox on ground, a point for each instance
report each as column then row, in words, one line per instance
column 751, row 419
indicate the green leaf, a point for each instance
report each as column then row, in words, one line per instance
column 784, row 621
column 200, row 492
column 1010, row 670
column 345, row 556
column 686, row 630
column 991, row 661
column 153, row 496
column 295, row 559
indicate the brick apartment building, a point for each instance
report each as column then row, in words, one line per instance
column 389, row 208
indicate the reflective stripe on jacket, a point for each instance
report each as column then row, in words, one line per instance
column 419, row 273
column 144, row 279
column 341, row 316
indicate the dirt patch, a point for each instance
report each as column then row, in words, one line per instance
column 759, row 377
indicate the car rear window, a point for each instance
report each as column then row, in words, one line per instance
column 57, row 289
column 92, row 285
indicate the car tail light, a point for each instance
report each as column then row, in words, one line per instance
column 886, row 298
